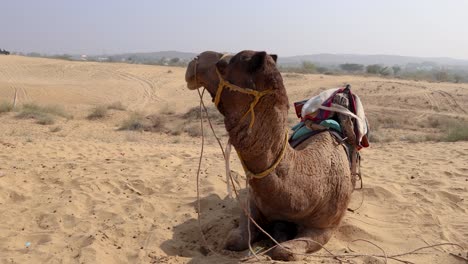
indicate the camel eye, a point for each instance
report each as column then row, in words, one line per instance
column 245, row 58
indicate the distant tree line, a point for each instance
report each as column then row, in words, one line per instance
column 163, row 61
column 426, row 71
column 4, row 52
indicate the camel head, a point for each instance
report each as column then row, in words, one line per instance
column 249, row 69
column 201, row 71
column 248, row 75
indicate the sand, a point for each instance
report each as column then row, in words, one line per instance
column 81, row 191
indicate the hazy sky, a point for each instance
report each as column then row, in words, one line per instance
column 295, row 27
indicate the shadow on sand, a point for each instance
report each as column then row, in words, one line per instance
column 218, row 217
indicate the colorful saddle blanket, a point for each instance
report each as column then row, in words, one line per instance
column 321, row 110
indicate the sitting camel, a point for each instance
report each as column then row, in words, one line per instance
column 309, row 186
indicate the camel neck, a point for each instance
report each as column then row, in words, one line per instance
column 261, row 147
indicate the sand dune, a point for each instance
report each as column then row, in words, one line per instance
column 88, row 193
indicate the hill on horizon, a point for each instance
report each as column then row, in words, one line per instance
column 321, row 59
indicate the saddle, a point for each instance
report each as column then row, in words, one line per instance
column 338, row 112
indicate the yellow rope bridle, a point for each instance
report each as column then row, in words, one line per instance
column 272, row 167
column 257, row 96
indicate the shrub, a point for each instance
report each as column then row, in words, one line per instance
column 45, row 120
column 42, row 114
column 167, row 110
column 194, row 114
column 138, row 122
column 117, row 106
column 193, row 130
column 55, row 129
column 456, row 132
column 31, row 110
column 98, row 112
column 155, row 123
column 133, row 122
column 5, row 107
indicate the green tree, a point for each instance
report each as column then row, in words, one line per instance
column 308, row 67
column 322, row 69
column 385, row 71
column 396, row 69
column 352, row 67
column 373, row 68
column 174, row 61
column 441, row 76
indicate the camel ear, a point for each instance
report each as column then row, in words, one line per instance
column 257, row 61
column 221, row 66
column 274, row 56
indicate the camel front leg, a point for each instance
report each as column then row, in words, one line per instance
column 302, row 244
column 238, row 238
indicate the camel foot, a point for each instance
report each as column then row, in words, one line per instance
column 236, row 241
column 302, row 244
column 238, row 238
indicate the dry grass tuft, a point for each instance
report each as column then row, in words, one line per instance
column 456, row 131
column 194, row 114
column 193, row 130
column 5, row 107
column 99, row 112
column 139, row 122
column 167, row 110
column 45, row 120
column 55, row 129
column 117, row 106
column 43, row 115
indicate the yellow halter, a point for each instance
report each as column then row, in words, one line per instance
column 257, row 95
column 272, row 167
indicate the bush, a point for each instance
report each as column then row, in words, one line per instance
column 194, row 114
column 167, row 110
column 138, row 122
column 45, row 120
column 117, row 106
column 55, row 129
column 42, row 114
column 133, row 122
column 32, row 109
column 98, row 112
column 456, row 131
column 155, row 123
column 193, row 130
column 5, row 107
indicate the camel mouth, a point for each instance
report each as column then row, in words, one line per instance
column 190, row 75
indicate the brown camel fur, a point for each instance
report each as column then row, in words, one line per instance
column 312, row 184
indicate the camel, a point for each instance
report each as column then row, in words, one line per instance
column 309, row 186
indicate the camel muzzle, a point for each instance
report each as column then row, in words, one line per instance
column 191, row 75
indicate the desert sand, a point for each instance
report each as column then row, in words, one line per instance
column 82, row 191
